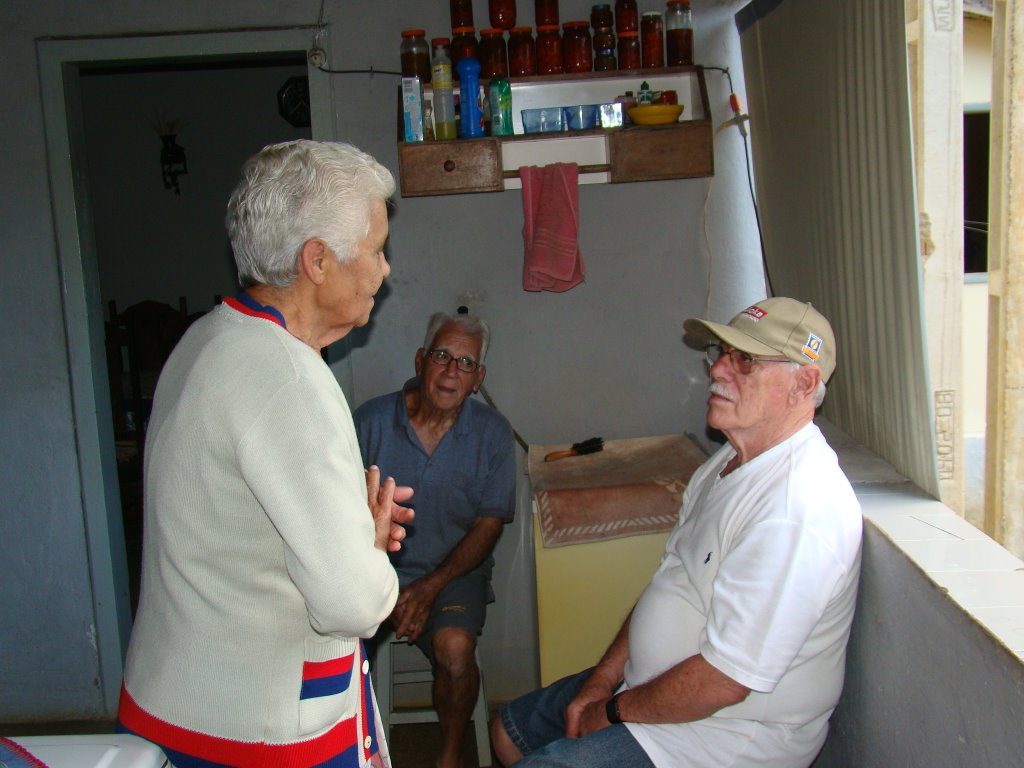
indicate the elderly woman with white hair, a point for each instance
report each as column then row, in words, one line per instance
column 265, row 544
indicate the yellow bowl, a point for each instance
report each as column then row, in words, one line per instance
column 655, row 114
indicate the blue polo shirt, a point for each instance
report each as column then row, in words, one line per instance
column 470, row 474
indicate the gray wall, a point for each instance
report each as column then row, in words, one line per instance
column 925, row 683
column 605, row 358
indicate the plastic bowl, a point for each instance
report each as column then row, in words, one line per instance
column 580, row 117
column 543, row 120
column 655, row 114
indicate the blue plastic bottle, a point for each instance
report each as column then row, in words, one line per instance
column 470, row 116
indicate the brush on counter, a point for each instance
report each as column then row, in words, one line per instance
column 592, row 445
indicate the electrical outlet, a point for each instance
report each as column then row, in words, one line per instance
column 317, row 57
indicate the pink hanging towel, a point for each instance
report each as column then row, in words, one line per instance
column 551, row 220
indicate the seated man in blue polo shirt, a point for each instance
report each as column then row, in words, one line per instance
column 457, row 453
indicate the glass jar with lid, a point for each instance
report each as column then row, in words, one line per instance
column 604, row 60
column 678, row 33
column 522, row 53
column 652, row 40
column 502, row 13
column 626, row 16
column 461, row 12
column 601, row 16
column 463, row 46
column 545, row 13
column 629, row 50
column 549, row 50
column 415, row 54
column 493, row 53
column 577, row 54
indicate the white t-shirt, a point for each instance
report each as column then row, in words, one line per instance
column 760, row 577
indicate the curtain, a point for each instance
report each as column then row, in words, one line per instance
column 831, row 135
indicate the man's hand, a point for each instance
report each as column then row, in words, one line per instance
column 388, row 516
column 586, row 713
column 413, row 607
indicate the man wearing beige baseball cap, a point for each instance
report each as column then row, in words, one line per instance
column 734, row 653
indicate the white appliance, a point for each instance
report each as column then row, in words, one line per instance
column 114, row 750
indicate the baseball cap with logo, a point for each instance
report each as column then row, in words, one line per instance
column 778, row 326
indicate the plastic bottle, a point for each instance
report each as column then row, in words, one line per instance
column 679, row 33
column 471, row 116
column 415, row 55
column 444, row 93
column 501, row 107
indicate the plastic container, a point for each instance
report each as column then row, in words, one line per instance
column 543, row 120
column 461, row 13
column 580, row 117
column 545, row 12
column 577, row 54
column 493, row 54
column 522, row 52
column 471, row 116
column 502, row 13
column 678, row 33
column 629, row 50
column 444, row 90
column 549, row 50
column 652, row 40
column 500, row 98
column 463, row 44
column 415, row 55
column 626, row 16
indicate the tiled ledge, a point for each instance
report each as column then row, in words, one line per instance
column 980, row 575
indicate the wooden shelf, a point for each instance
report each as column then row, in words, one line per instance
column 615, row 155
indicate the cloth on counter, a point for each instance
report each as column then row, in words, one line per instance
column 631, row 487
column 551, row 220
column 13, row 755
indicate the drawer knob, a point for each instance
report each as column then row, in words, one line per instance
column 449, row 165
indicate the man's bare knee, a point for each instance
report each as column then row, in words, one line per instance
column 454, row 650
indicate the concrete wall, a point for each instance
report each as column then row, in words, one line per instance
column 605, row 358
column 925, row 683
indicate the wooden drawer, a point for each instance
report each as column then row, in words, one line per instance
column 678, row 151
column 450, row 167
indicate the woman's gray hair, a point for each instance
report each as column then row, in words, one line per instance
column 295, row 191
column 468, row 324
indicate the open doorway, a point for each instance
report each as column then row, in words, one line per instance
column 162, row 254
column 64, row 64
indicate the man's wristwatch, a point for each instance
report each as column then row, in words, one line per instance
column 611, row 710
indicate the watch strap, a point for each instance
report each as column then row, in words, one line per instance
column 611, row 710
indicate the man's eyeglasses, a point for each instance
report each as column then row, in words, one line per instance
column 443, row 357
column 742, row 361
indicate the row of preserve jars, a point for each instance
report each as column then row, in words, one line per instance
column 555, row 53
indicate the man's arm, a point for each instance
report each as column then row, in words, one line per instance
column 599, row 686
column 691, row 690
column 417, row 599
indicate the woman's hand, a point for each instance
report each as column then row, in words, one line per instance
column 385, row 505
